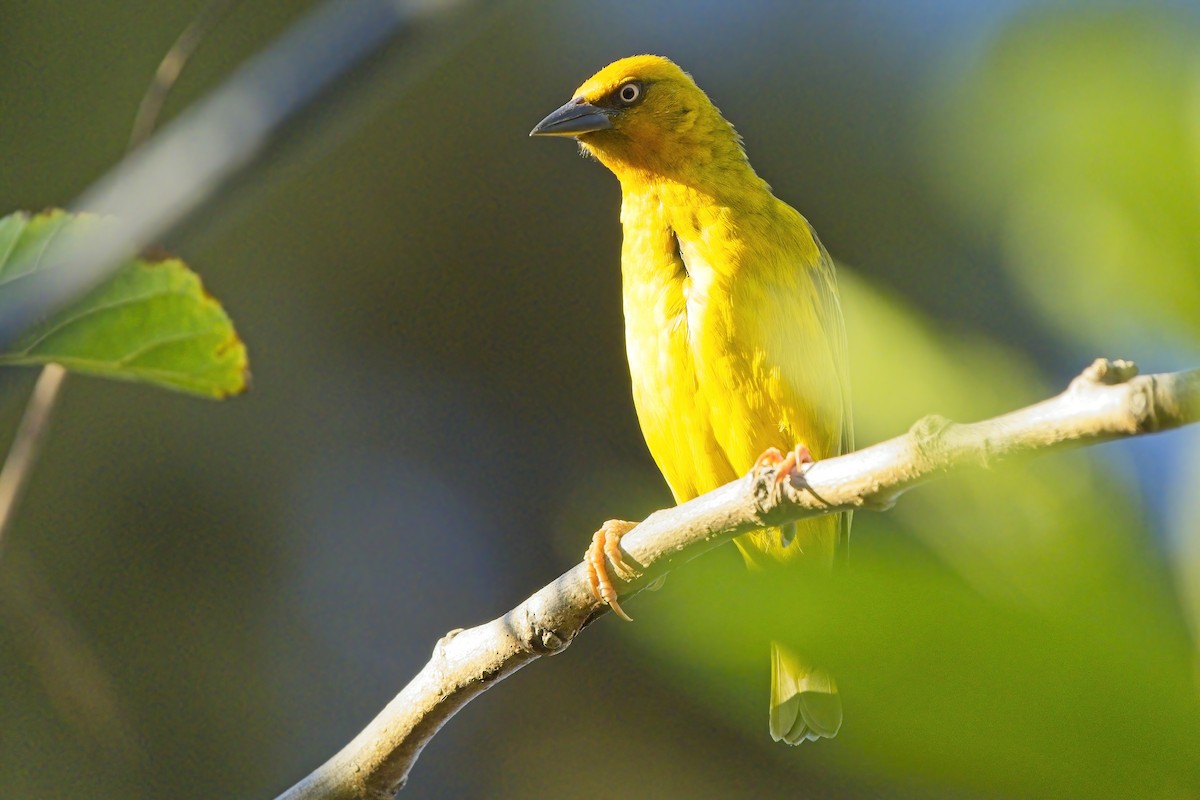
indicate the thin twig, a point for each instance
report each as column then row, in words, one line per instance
column 30, row 436
column 170, row 68
column 172, row 177
column 1106, row 402
column 75, row 680
column 27, row 443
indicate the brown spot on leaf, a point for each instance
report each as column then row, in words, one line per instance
column 154, row 255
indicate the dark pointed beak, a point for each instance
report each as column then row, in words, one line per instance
column 574, row 118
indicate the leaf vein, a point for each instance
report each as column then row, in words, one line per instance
column 165, row 340
column 67, row 322
column 37, row 262
column 13, row 245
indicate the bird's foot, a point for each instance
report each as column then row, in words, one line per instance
column 605, row 544
column 795, row 462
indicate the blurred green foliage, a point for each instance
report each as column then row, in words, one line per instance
column 150, row 322
column 1075, row 138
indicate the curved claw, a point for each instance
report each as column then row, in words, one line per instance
column 605, row 548
column 785, row 466
column 795, row 461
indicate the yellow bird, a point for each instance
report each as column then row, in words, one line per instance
column 732, row 326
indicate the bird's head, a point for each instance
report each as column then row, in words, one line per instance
column 644, row 117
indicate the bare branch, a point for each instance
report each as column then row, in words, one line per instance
column 171, row 67
column 27, row 443
column 1106, row 402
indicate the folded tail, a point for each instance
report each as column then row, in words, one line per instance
column 804, row 700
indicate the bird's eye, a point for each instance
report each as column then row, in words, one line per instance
column 630, row 93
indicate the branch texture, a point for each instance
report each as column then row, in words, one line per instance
column 1107, row 401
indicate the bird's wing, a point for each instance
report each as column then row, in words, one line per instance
column 770, row 347
column 829, row 311
column 771, row 360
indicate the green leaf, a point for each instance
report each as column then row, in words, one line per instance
column 151, row 322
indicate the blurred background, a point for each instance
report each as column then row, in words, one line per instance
column 209, row 599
